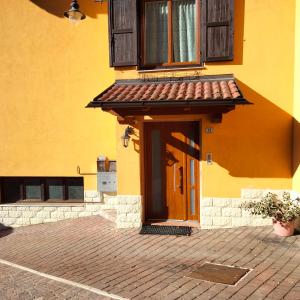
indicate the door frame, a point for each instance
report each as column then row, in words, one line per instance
column 164, row 119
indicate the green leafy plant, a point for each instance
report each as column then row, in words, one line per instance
column 282, row 210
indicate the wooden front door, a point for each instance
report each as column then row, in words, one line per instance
column 171, row 156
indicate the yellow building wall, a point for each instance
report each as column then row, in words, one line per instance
column 50, row 70
column 296, row 156
column 128, row 162
column 252, row 146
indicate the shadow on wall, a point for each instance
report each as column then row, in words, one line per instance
column 5, row 230
column 57, row 7
column 296, row 156
column 255, row 140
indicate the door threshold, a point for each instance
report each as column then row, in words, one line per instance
column 169, row 222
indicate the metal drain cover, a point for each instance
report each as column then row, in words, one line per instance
column 219, row 273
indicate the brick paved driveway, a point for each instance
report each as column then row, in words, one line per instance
column 18, row 284
column 92, row 252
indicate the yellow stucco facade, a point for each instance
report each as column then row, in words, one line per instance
column 51, row 70
column 252, row 146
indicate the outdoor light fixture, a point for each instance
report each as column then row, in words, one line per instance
column 74, row 14
column 126, row 137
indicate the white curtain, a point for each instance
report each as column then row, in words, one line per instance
column 156, row 31
column 184, row 30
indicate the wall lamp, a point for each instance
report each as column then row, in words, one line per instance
column 126, row 137
column 74, row 14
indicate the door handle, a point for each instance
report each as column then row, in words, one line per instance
column 181, row 179
column 180, row 186
column 174, row 177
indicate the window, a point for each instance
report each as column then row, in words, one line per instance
column 55, row 188
column 171, row 32
column 151, row 33
column 33, row 189
column 39, row 189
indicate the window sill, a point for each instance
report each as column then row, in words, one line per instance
column 192, row 68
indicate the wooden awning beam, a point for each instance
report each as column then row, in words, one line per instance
column 130, row 112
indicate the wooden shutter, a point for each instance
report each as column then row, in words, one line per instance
column 217, row 30
column 123, row 32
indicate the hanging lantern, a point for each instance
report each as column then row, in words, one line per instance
column 74, row 14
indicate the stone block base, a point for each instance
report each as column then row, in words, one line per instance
column 15, row 215
column 225, row 213
column 129, row 210
column 91, row 196
column 125, row 211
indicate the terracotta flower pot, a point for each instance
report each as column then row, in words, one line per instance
column 284, row 229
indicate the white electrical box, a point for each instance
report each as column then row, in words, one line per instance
column 106, row 175
column 107, row 181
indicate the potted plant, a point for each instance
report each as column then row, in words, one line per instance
column 284, row 211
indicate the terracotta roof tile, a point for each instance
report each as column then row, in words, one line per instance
column 184, row 89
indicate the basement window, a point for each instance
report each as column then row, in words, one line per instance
column 41, row 189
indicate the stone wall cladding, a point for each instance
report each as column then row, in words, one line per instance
column 91, row 196
column 124, row 210
column 129, row 211
column 15, row 215
column 225, row 213
column 259, row 193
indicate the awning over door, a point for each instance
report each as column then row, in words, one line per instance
column 163, row 96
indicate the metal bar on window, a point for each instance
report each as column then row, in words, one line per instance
column 65, row 189
column 22, row 189
column 42, row 187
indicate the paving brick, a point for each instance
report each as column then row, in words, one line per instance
column 18, row 284
column 92, row 251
